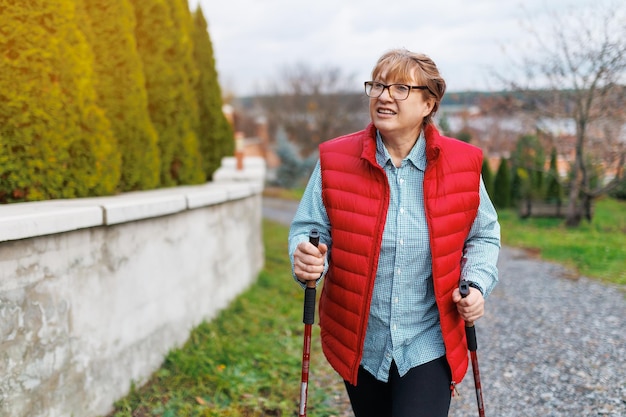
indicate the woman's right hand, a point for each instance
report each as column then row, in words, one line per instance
column 308, row 261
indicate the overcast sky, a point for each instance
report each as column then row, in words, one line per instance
column 254, row 40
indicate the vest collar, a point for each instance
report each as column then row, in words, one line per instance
column 432, row 143
column 368, row 151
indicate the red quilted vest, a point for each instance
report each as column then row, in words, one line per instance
column 356, row 195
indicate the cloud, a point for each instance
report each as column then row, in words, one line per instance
column 254, row 39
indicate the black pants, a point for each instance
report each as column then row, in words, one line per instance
column 423, row 392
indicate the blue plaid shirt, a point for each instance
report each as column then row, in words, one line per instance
column 403, row 324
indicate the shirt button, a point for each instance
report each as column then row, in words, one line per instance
column 395, row 300
column 401, row 211
column 394, row 327
column 401, row 181
column 402, row 241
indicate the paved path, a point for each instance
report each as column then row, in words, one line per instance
column 551, row 344
column 279, row 210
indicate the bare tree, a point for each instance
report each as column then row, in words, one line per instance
column 576, row 70
column 314, row 105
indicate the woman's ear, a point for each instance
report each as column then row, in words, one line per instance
column 429, row 106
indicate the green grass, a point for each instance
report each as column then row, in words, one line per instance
column 245, row 362
column 596, row 249
column 285, row 193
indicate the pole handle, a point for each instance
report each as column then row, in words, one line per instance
column 310, row 291
column 470, row 330
column 314, row 237
column 472, row 346
column 464, row 288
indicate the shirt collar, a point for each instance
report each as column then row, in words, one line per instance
column 417, row 156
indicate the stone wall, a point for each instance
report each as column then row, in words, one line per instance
column 95, row 292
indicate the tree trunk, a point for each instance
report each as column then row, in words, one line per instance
column 574, row 215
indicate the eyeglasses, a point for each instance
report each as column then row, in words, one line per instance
column 396, row 91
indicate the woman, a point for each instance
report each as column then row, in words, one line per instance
column 403, row 215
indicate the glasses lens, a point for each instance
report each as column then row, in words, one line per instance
column 373, row 89
column 399, row 91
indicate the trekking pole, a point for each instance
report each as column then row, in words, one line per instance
column 470, row 334
column 308, row 319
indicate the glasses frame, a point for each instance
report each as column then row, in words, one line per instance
column 388, row 88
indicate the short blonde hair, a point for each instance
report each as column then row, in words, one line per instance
column 402, row 65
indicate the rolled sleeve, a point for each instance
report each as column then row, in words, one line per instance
column 311, row 214
column 482, row 247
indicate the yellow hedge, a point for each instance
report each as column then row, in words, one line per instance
column 55, row 142
column 215, row 134
column 164, row 47
column 100, row 96
column 120, row 86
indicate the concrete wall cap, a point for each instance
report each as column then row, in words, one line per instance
column 25, row 220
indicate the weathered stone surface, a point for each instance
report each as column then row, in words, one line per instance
column 86, row 310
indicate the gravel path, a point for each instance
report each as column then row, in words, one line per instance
column 551, row 344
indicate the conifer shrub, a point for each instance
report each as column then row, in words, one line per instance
column 183, row 62
column 502, row 186
column 554, row 189
column 487, row 178
column 165, row 50
column 121, row 92
column 215, row 133
column 55, row 142
column 294, row 170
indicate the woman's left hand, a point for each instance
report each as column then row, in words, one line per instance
column 472, row 307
